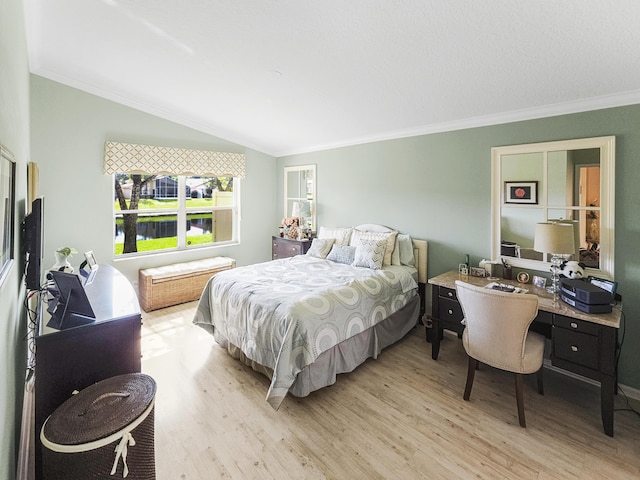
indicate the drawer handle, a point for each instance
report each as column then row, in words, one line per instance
column 293, row 249
column 574, row 325
column 574, row 348
column 450, row 294
column 450, row 312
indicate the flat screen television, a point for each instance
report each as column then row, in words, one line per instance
column 34, row 236
column 70, row 306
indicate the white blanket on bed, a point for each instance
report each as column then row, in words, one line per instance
column 283, row 314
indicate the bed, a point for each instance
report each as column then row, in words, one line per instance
column 303, row 320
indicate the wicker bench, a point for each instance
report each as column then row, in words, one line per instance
column 161, row 287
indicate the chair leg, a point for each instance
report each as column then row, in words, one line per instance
column 539, row 376
column 471, row 370
column 520, row 400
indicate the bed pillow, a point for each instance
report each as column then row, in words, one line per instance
column 341, row 235
column 403, row 251
column 342, row 254
column 406, row 251
column 389, row 237
column 369, row 252
column 320, row 247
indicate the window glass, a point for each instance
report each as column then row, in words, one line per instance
column 162, row 212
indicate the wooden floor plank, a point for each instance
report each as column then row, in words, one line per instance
column 400, row 416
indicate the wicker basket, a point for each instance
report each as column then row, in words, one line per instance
column 105, row 431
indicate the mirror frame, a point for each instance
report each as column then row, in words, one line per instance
column 300, row 168
column 607, row 198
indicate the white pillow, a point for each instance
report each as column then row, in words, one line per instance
column 374, row 227
column 389, row 237
column 341, row 235
column 370, row 252
column 403, row 251
column 320, row 247
column 406, row 251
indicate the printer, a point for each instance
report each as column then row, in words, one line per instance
column 585, row 296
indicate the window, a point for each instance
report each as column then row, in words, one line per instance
column 154, row 213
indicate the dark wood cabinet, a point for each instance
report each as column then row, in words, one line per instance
column 75, row 358
column 285, row 247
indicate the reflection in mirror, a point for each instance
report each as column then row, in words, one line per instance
column 569, row 182
column 300, row 193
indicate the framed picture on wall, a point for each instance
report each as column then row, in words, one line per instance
column 521, row 192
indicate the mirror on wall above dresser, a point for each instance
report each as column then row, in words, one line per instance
column 569, row 181
column 300, row 196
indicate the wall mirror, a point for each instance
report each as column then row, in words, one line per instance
column 300, row 194
column 7, row 211
column 570, row 181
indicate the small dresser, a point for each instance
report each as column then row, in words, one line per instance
column 285, row 247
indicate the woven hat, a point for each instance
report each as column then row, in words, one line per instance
column 105, row 429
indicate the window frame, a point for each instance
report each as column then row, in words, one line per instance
column 181, row 213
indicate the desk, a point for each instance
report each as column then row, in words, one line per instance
column 581, row 343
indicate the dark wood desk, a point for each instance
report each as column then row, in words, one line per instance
column 582, row 343
column 73, row 359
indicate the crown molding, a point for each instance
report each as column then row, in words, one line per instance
column 545, row 111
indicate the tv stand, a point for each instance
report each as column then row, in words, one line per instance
column 83, row 354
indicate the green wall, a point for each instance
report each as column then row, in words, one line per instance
column 69, row 128
column 14, row 135
column 438, row 187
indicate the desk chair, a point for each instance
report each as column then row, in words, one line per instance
column 497, row 334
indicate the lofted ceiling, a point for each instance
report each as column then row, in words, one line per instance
column 293, row 76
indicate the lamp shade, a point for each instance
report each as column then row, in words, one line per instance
column 554, row 238
column 296, row 209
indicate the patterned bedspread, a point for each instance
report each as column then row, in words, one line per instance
column 284, row 313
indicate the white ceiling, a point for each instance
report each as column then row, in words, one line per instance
column 292, row 76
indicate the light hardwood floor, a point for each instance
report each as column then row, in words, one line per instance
column 399, row 417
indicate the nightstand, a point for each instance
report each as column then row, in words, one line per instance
column 285, row 247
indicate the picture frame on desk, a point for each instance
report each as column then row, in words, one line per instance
column 540, row 282
column 477, row 272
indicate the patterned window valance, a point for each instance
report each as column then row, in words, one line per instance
column 131, row 158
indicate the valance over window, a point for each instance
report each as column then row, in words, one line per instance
column 147, row 159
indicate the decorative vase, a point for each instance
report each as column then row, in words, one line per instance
column 62, row 263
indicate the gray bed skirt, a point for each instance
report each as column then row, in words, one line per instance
column 345, row 356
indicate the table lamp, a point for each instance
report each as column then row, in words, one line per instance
column 558, row 240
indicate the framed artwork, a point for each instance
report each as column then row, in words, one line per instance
column 521, row 192
column 7, row 211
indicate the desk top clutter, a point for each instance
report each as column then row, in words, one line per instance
column 546, row 300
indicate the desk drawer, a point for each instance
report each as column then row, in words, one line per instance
column 576, row 325
column 449, row 293
column 450, row 311
column 575, row 347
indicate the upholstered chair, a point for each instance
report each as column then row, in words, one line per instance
column 497, row 334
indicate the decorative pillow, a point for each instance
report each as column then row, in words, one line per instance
column 389, row 237
column 370, row 253
column 342, row 254
column 341, row 235
column 320, row 247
